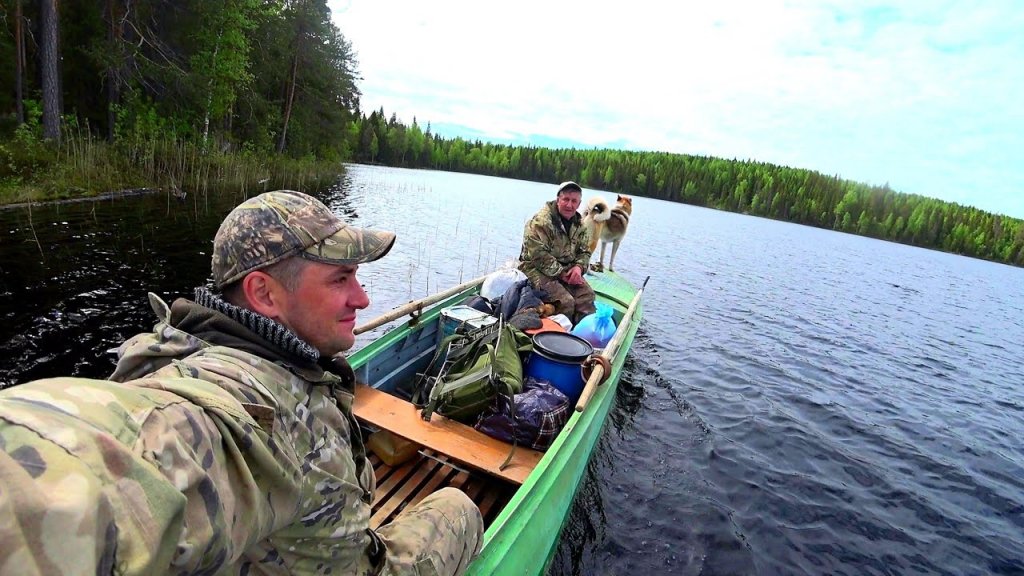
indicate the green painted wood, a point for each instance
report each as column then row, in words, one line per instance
column 523, row 537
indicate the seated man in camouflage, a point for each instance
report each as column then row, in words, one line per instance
column 556, row 253
column 225, row 441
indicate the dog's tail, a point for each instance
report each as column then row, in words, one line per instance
column 597, row 209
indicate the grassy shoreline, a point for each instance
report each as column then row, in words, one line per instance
column 33, row 172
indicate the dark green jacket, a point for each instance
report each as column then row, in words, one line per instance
column 548, row 250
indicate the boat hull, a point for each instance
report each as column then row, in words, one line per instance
column 523, row 538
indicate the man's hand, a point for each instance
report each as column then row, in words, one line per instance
column 573, row 277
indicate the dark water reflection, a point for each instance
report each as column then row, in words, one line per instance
column 797, row 401
column 73, row 277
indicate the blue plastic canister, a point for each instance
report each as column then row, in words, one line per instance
column 556, row 358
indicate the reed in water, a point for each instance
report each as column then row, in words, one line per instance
column 82, row 165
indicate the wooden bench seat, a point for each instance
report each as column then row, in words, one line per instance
column 445, row 436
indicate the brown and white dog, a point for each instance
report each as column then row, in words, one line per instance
column 607, row 225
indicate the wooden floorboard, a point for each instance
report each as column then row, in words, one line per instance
column 473, row 489
column 400, row 487
column 436, row 482
column 487, row 502
column 399, row 479
column 400, row 496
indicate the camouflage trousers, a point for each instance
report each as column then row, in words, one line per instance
column 573, row 301
column 440, row 535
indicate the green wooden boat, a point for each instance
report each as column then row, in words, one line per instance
column 525, row 505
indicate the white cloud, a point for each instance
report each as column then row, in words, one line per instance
column 922, row 95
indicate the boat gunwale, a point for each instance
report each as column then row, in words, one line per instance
column 598, row 409
column 589, row 422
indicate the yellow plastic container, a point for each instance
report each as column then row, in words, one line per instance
column 392, row 449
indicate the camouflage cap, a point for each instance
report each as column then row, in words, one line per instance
column 270, row 227
column 569, row 186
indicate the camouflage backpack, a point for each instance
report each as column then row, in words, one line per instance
column 477, row 367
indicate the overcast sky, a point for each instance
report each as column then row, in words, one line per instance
column 927, row 96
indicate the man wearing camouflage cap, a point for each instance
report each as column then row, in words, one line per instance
column 556, row 253
column 224, row 441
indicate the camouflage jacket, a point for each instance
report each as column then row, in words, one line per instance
column 548, row 250
column 221, row 445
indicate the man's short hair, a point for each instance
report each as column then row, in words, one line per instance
column 287, row 272
column 569, row 186
column 275, row 226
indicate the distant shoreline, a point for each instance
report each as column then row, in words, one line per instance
column 104, row 196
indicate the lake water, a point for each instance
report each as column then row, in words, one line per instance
column 798, row 401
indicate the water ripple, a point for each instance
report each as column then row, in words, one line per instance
column 797, row 401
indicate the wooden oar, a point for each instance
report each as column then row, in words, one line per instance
column 415, row 306
column 597, row 376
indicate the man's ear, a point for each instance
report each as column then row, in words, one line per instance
column 263, row 294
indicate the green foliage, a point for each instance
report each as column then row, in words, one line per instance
column 32, row 169
column 201, row 70
column 26, row 154
column 220, row 64
column 33, row 117
column 138, row 120
column 191, row 93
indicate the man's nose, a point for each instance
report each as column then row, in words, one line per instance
column 361, row 299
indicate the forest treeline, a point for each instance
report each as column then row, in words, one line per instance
column 122, row 92
column 112, row 94
column 757, row 188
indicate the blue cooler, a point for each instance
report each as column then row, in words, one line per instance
column 557, row 358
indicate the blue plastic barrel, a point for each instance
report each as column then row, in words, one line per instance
column 556, row 358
